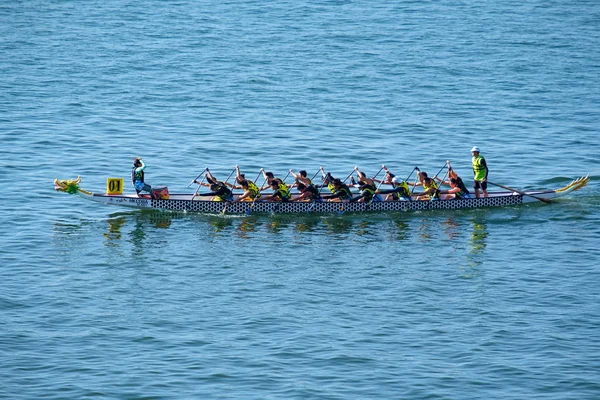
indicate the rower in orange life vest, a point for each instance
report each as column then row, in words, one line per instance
column 137, row 178
column 480, row 172
column 431, row 190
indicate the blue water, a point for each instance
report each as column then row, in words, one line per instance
column 101, row 302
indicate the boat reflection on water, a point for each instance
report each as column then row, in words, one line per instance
column 397, row 227
column 479, row 235
column 118, row 222
column 466, row 234
column 477, row 245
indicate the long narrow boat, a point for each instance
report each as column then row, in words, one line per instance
column 193, row 203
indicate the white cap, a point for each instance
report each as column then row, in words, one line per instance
column 475, row 149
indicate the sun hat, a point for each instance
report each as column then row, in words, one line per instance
column 475, row 149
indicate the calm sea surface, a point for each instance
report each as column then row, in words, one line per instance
column 108, row 303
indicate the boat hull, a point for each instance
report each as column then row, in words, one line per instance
column 213, row 207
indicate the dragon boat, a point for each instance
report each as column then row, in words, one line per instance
column 193, row 203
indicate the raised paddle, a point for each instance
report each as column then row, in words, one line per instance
column 378, row 172
column 249, row 210
column 257, row 176
column 414, row 186
column 351, row 173
column 201, row 182
column 314, row 176
column 411, row 172
column 441, row 169
column 288, row 174
column 225, row 183
column 521, row 193
column 322, row 171
column 343, row 206
column 200, row 174
column 380, row 183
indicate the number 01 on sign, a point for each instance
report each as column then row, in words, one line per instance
column 114, row 185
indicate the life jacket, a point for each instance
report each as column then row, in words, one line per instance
column 314, row 193
column 347, row 194
column 137, row 176
column 283, row 186
column 254, row 190
column 430, row 184
column 478, row 168
column 463, row 189
column 224, row 193
column 283, row 192
column 461, row 194
column 368, row 192
column 405, row 192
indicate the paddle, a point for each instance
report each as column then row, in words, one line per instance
column 322, row 171
column 314, row 176
column 225, row 183
column 257, row 176
column 325, row 176
column 288, row 174
column 411, row 172
column 249, row 210
column 380, row 183
column 378, row 172
column 414, row 186
column 351, row 173
column 441, row 169
column 342, row 207
column 200, row 174
column 521, row 193
column 201, row 182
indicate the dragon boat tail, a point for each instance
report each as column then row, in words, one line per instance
column 193, row 203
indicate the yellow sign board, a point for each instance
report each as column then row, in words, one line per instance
column 114, row 185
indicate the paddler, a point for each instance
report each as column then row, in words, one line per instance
column 251, row 191
column 431, row 190
column 456, row 191
column 137, row 177
column 458, row 188
column 367, row 188
column 269, row 178
column 218, row 189
column 332, row 184
column 340, row 190
column 327, row 179
column 400, row 189
column 480, row 172
column 307, row 193
column 219, row 192
column 280, row 192
column 301, row 177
